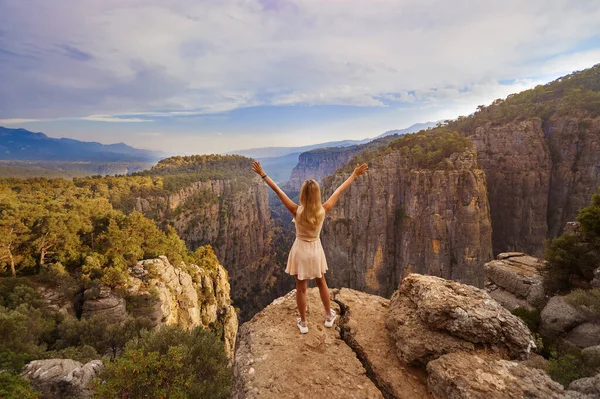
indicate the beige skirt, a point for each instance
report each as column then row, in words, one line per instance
column 307, row 260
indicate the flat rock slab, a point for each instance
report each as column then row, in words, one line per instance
column 363, row 328
column 273, row 360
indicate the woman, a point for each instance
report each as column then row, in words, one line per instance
column 306, row 260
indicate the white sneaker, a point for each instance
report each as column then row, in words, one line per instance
column 302, row 326
column 330, row 319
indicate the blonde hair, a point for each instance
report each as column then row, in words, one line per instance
column 310, row 199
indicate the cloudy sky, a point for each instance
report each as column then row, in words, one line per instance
column 193, row 76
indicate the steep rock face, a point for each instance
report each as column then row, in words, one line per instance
column 319, row 164
column 518, row 166
column 538, row 176
column 396, row 220
column 187, row 296
column 234, row 218
column 514, row 279
column 574, row 144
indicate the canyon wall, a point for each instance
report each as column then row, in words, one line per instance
column 397, row 219
column 320, row 163
column 232, row 216
column 538, row 176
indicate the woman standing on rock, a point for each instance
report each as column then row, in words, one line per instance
column 306, row 260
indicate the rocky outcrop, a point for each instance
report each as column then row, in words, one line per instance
column 62, row 378
column 514, row 280
column 539, row 175
column 103, row 302
column 396, row 220
column 430, row 317
column 272, row 359
column 187, row 296
column 461, row 375
column 358, row 360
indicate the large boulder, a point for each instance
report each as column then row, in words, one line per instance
column 559, row 317
column 461, row 375
column 514, row 280
column 589, row 386
column 273, row 360
column 430, row 316
column 62, row 378
column 584, row 335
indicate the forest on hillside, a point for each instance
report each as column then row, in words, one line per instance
column 76, row 235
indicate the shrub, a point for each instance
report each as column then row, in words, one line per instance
column 567, row 368
column 22, row 331
column 588, row 301
column 570, row 255
column 16, row 387
column 170, row 361
column 106, row 336
column 531, row 317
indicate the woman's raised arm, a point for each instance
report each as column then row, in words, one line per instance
column 289, row 204
column 358, row 170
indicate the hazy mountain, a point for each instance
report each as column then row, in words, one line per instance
column 268, row 152
column 21, row 144
column 411, row 129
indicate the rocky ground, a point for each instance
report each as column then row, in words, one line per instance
column 434, row 339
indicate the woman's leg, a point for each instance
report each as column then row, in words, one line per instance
column 301, row 297
column 324, row 292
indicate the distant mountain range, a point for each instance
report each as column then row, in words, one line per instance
column 21, row 144
column 269, row 152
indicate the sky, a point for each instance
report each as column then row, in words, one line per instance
column 210, row 76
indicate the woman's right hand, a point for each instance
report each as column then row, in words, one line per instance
column 360, row 169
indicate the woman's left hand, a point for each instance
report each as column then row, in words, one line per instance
column 257, row 167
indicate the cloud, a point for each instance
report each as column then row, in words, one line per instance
column 16, row 121
column 113, row 119
column 98, row 59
